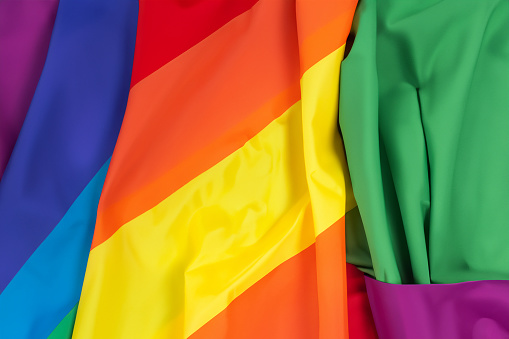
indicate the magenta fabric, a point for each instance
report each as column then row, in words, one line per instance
column 25, row 32
column 467, row 310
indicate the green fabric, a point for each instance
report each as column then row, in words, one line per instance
column 424, row 113
column 356, row 243
column 64, row 329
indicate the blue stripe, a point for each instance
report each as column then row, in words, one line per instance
column 48, row 286
column 71, row 126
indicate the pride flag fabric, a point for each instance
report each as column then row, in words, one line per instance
column 25, row 31
column 53, row 180
column 254, row 169
column 424, row 114
column 224, row 203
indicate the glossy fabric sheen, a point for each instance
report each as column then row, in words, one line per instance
column 71, row 126
column 159, row 150
column 206, row 267
column 280, row 303
column 235, row 103
column 207, row 197
column 474, row 309
column 25, row 32
column 49, row 284
column 202, row 247
column 424, row 112
column 274, row 307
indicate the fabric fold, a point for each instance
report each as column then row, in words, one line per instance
column 424, row 112
column 25, row 32
column 474, row 309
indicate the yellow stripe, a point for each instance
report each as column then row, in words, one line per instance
column 327, row 174
column 170, row 270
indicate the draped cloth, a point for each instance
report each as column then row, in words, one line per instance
column 180, row 173
column 51, row 187
column 424, row 112
column 25, row 32
column 222, row 215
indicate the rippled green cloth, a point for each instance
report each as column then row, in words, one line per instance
column 424, row 112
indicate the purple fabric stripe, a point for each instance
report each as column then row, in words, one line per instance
column 473, row 310
column 25, row 32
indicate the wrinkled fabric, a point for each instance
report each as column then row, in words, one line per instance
column 222, row 215
column 25, row 32
column 474, row 309
column 424, row 113
column 225, row 207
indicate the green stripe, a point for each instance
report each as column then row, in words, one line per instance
column 65, row 327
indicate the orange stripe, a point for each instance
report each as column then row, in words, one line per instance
column 305, row 297
column 312, row 15
column 326, row 39
column 203, row 94
column 331, row 275
column 168, row 28
column 202, row 106
column 130, row 206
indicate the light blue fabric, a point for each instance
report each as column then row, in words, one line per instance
column 49, row 285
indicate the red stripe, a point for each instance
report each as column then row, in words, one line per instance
column 168, row 28
column 207, row 103
column 360, row 318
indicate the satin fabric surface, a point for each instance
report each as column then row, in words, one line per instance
column 473, row 309
column 222, row 215
column 424, row 112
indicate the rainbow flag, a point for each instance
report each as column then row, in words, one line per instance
column 25, row 31
column 222, row 213
column 51, row 186
column 187, row 169
column 223, row 207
